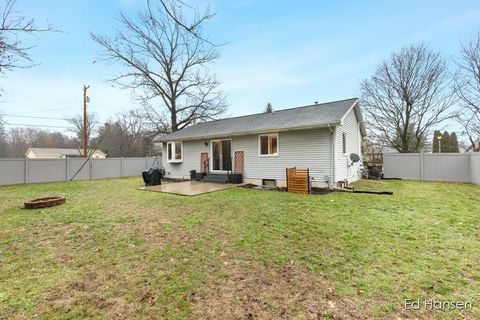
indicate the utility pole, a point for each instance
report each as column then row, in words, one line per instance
column 85, row 135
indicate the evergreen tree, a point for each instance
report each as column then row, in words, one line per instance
column 435, row 142
column 454, row 143
column 445, row 144
column 268, row 108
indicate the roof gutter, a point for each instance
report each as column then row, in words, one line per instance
column 362, row 128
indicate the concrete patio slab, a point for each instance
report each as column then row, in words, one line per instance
column 189, row 188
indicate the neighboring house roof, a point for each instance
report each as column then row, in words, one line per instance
column 317, row 115
column 61, row 151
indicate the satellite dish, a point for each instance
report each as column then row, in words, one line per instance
column 354, row 157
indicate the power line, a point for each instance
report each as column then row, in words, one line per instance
column 45, row 110
column 37, row 126
column 35, row 117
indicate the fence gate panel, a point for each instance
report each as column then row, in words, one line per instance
column 298, row 180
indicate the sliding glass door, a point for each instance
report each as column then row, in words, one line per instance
column 222, row 155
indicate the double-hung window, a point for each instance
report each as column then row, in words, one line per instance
column 175, row 151
column 268, row 144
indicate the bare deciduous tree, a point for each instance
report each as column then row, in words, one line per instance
column 20, row 139
column 166, row 66
column 407, row 96
column 131, row 134
column 125, row 136
column 3, row 139
column 13, row 52
column 468, row 90
column 77, row 129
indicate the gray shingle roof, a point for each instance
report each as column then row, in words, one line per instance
column 308, row 116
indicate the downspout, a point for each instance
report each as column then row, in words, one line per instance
column 361, row 138
column 332, row 174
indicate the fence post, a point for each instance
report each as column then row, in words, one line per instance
column 146, row 163
column 67, row 169
column 92, row 173
column 27, row 171
column 470, row 169
column 121, row 167
column 422, row 160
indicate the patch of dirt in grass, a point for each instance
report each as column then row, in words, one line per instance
column 290, row 291
column 154, row 230
column 87, row 293
column 114, row 308
column 150, row 214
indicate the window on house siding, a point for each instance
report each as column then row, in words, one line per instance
column 273, row 145
column 178, row 151
column 174, row 151
column 169, row 151
column 268, row 144
column 263, row 144
column 344, row 143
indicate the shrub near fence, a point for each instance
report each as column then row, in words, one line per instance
column 454, row 167
column 20, row 171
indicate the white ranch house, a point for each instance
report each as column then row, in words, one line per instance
column 319, row 137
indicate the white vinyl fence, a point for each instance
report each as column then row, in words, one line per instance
column 455, row 167
column 19, row 171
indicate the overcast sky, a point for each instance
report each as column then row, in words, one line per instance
column 289, row 53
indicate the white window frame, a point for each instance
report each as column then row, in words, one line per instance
column 269, row 145
column 344, row 143
column 173, row 144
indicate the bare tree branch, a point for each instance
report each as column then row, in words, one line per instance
column 125, row 136
column 194, row 26
column 3, row 138
column 77, row 123
column 13, row 52
column 18, row 140
column 166, row 67
column 467, row 85
column 406, row 97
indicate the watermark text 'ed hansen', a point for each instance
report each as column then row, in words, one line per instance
column 436, row 305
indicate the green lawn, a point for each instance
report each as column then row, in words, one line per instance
column 115, row 252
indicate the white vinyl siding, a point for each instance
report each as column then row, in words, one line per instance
column 303, row 149
column 191, row 159
column 297, row 148
column 350, row 130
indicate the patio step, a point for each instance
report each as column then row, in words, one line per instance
column 216, row 178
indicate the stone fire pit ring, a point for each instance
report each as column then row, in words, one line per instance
column 46, row 202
